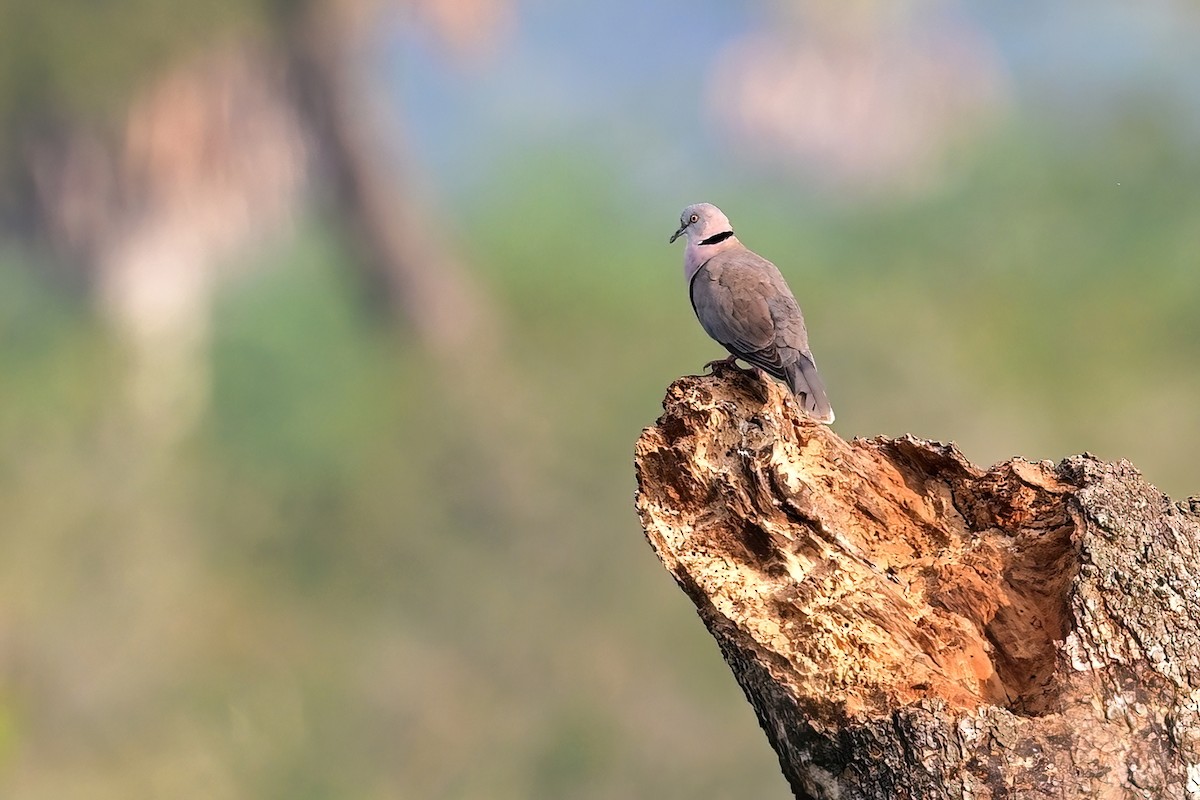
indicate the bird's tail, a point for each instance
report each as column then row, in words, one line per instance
column 803, row 378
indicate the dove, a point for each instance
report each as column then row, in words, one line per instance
column 743, row 302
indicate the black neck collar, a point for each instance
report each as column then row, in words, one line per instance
column 720, row 237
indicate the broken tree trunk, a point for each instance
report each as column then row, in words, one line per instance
column 908, row 625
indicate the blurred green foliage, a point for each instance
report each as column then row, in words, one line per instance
column 369, row 576
column 68, row 59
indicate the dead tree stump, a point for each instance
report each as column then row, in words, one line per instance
column 908, row 625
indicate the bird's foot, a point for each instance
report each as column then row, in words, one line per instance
column 722, row 363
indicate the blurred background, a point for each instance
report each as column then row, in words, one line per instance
column 327, row 328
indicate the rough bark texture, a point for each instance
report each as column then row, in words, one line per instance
column 908, row 625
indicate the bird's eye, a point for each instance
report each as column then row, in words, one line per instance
column 695, row 217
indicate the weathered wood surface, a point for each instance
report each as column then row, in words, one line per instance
column 908, row 625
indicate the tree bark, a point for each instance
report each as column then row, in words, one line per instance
column 908, row 625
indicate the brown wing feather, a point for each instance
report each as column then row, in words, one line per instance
column 733, row 308
column 741, row 301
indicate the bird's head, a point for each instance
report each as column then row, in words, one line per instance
column 702, row 221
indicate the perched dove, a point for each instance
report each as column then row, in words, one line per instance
column 744, row 303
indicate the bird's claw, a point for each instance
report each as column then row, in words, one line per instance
column 723, row 363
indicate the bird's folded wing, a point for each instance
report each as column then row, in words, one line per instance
column 732, row 306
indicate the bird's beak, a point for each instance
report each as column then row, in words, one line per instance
column 677, row 234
